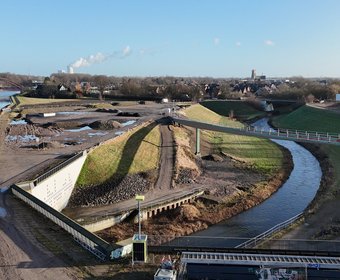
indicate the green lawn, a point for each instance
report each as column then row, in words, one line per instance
column 311, row 119
column 241, row 110
column 307, row 118
column 260, row 154
column 134, row 152
column 23, row 100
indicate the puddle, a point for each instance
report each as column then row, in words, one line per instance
column 18, row 122
column 4, row 189
column 97, row 134
column 84, row 128
column 3, row 212
column 25, row 138
column 128, row 123
column 71, row 113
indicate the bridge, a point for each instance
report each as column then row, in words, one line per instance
column 281, row 134
column 11, row 83
column 197, row 265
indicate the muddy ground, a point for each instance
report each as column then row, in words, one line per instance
column 231, row 189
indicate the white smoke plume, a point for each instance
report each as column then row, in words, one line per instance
column 99, row 58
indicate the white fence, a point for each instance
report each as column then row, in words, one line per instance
column 265, row 235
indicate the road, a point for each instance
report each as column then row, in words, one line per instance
column 23, row 232
column 21, row 255
column 163, row 190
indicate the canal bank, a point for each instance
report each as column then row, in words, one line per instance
column 292, row 198
column 245, row 187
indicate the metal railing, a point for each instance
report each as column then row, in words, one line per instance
column 175, row 244
column 55, row 169
column 282, row 134
column 268, row 233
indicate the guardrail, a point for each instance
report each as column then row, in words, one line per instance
column 265, row 235
column 91, row 242
column 281, row 134
column 57, row 168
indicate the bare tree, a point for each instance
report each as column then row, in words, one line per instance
column 101, row 81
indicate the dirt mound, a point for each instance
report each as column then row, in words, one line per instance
column 213, row 157
column 104, row 110
column 105, row 125
column 187, row 212
column 63, row 124
column 29, row 129
column 128, row 114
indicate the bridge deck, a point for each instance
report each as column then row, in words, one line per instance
column 281, row 134
column 259, row 259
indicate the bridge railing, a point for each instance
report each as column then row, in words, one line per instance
column 297, row 134
column 280, row 133
column 268, row 233
column 57, row 168
column 167, row 243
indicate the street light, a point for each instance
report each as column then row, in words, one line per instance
column 139, row 198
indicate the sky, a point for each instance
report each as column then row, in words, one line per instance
column 191, row 38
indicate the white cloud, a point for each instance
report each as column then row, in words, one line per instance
column 216, row 41
column 238, row 44
column 269, row 43
column 126, row 51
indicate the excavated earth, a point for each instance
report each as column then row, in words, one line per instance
column 232, row 188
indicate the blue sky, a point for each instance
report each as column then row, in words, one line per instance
column 217, row 38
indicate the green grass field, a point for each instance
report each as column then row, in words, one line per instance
column 307, row 118
column 241, row 110
column 312, row 119
column 33, row 101
column 134, row 152
column 260, row 154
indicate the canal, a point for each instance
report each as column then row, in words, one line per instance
column 291, row 199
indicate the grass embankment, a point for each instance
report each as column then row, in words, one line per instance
column 308, row 118
column 312, row 119
column 134, row 152
column 241, row 110
column 259, row 154
column 23, row 100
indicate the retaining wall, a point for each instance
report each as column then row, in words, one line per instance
column 85, row 238
column 55, row 186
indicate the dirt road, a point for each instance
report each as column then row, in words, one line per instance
column 30, row 244
column 21, row 255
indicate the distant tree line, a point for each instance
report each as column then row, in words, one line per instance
column 62, row 85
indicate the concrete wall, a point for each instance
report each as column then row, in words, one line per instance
column 55, row 190
column 86, row 239
column 151, row 211
column 106, row 223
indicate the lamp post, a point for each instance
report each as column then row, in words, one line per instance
column 139, row 198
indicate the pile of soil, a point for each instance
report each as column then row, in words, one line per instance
column 29, row 129
column 128, row 114
column 63, row 124
column 104, row 110
column 105, row 125
column 239, row 189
